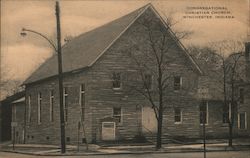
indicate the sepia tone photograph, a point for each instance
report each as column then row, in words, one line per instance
column 125, row 78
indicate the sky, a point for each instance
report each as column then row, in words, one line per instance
column 20, row 56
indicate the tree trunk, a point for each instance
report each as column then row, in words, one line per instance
column 159, row 131
column 230, row 140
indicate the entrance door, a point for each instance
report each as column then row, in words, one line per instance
column 108, row 130
column 149, row 122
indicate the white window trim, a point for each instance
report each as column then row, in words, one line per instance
column 29, row 110
column 180, row 122
column 207, row 115
column 121, row 114
column 117, row 88
column 239, row 120
column 80, row 100
column 39, row 99
column 180, row 83
column 51, row 110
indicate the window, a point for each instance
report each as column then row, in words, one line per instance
column 241, row 95
column 204, row 113
column 117, row 113
column 65, row 103
column 51, row 105
column 177, row 115
column 29, row 108
column 177, row 82
column 68, row 139
column 242, row 120
column 39, row 108
column 225, row 115
column 116, row 80
column 148, row 81
column 82, row 100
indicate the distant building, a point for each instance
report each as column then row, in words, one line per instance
column 18, row 120
column 243, row 91
column 6, row 116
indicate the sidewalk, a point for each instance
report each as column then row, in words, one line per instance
column 46, row 150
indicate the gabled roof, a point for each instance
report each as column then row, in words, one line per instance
column 84, row 50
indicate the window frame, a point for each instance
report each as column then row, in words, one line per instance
column 207, row 113
column 227, row 112
column 180, row 114
column 114, row 80
column 52, row 104
column 121, row 114
column 241, row 95
column 81, row 103
column 245, row 119
column 29, row 108
column 39, row 108
column 180, row 83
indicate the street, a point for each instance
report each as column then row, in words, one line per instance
column 230, row 154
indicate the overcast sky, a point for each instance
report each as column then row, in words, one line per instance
column 20, row 56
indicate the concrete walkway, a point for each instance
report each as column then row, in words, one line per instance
column 38, row 149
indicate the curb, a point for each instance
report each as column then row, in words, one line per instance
column 122, row 153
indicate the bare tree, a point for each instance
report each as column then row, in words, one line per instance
column 227, row 56
column 8, row 86
column 153, row 58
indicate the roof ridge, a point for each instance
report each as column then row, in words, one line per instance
column 120, row 23
column 179, row 43
column 139, row 14
column 107, row 23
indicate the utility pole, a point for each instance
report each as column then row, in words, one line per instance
column 60, row 78
column 204, row 127
column 60, row 75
